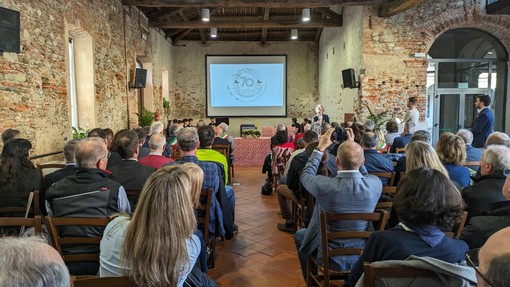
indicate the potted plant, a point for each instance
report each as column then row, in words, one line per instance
column 379, row 119
column 166, row 107
column 79, row 133
column 145, row 118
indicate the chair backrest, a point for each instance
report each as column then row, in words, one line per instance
column 203, row 221
column 46, row 168
column 389, row 175
column 400, row 150
column 222, row 148
column 15, row 204
column 389, row 191
column 35, row 222
column 457, row 229
column 371, row 273
column 55, row 223
column 105, row 282
column 378, row 220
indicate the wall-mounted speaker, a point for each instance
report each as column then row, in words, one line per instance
column 349, row 78
column 9, row 30
column 140, row 78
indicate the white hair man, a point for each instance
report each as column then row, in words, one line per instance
column 400, row 142
column 156, row 159
column 31, row 262
column 472, row 153
column 157, row 127
column 494, row 259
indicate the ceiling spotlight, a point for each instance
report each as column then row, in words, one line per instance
column 206, row 15
column 214, row 32
column 306, row 14
column 293, row 34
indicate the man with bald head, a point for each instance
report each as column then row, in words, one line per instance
column 494, row 260
column 155, row 158
column 31, row 262
column 498, row 138
column 348, row 192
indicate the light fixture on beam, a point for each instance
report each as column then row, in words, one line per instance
column 293, row 34
column 214, row 32
column 306, row 14
column 206, row 16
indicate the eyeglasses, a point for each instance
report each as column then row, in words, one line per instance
column 472, row 260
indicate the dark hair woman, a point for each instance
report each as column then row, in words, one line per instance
column 17, row 172
column 426, row 201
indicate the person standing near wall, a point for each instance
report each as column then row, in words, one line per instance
column 319, row 116
column 484, row 122
column 412, row 114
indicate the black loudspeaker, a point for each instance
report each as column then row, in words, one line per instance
column 140, row 78
column 349, row 78
column 9, row 30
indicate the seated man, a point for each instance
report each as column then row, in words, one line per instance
column 401, row 141
column 222, row 218
column 374, row 161
column 348, row 192
column 472, row 153
column 156, row 159
column 481, row 227
column 89, row 193
column 113, row 157
column 57, row 175
column 31, row 262
column 131, row 174
column 494, row 259
column 142, row 135
column 486, row 190
column 157, row 127
column 206, row 153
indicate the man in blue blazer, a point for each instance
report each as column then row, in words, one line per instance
column 348, row 192
column 484, row 122
column 400, row 142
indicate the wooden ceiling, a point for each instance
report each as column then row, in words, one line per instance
column 252, row 20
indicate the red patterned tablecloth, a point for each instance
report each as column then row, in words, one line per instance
column 251, row 151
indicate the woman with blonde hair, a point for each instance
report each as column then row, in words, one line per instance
column 196, row 175
column 419, row 154
column 156, row 246
column 451, row 149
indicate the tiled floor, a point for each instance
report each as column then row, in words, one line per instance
column 259, row 255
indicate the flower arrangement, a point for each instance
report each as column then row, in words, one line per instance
column 251, row 134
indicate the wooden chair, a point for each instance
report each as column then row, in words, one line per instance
column 457, row 229
column 371, row 273
column 280, row 157
column 35, row 222
column 55, row 223
column 400, row 150
column 324, row 274
column 389, row 191
column 46, row 168
column 225, row 150
column 105, row 282
column 203, row 220
column 389, row 175
column 14, row 204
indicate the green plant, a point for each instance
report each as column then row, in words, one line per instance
column 79, row 133
column 379, row 119
column 145, row 118
column 166, row 107
column 255, row 133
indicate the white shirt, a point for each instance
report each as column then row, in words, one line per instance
column 412, row 116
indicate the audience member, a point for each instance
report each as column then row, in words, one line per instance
column 451, row 149
column 419, row 232
column 10, row 134
column 282, row 138
column 168, row 255
column 374, row 161
column 156, row 159
column 369, row 125
column 391, row 131
column 213, row 122
column 349, row 192
column 130, row 173
column 172, row 134
column 200, row 123
column 421, row 154
column 494, row 259
column 484, row 122
column 472, row 153
column 481, row 227
column 157, row 128
column 494, row 167
column 109, row 137
column 358, row 130
column 225, row 135
column 319, row 116
column 89, row 193
column 69, row 169
column 31, row 262
column 112, row 156
column 222, row 218
column 290, row 191
column 142, row 135
column 498, row 138
column 420, row 135
column 400, row 142
column 17, row 173
column 412, row 114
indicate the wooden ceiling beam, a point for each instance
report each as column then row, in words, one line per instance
column 249, row 3
column 330, row 13
column 264, row 30
column 397, row 6
column 247, row 24
column 164, row 12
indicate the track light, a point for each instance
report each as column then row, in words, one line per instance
column 293, row 34
column 214, row 32
column 206, row 15
column 306, row 14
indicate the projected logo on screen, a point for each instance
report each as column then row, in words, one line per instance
column 246, row 85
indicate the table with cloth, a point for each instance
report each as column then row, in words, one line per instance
column 251, row 151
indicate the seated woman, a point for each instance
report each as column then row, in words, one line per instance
column 451, row 149
column 391, row 131
column 156, row 246
column 17, row 173
column 426, row 201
